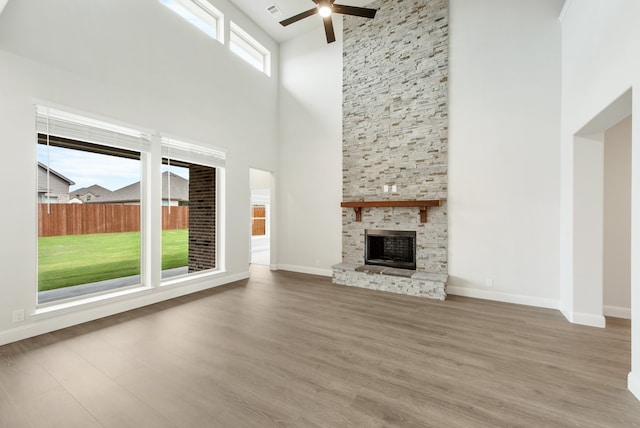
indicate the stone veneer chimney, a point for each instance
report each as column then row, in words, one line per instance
column 395, row 132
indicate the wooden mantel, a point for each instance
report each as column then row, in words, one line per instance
column 422, row 205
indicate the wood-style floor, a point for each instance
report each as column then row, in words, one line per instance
column 286, row 349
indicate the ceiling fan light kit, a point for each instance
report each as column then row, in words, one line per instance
column 325, row 8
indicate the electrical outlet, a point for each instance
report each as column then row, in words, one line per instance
column 489, row 282
column 18, row 315
column 385, row 188
column 394, row 188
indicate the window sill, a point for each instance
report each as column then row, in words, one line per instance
column 192, row 277
column 84, row 301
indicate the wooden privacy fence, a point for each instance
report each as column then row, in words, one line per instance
column 82, row 219
column 258, row 220
column 177, row 218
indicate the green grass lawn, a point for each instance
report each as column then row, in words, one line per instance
column 69, row 260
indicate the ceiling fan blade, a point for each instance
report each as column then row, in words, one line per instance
column 355, row 11
column 328, row 28
column 299, row 16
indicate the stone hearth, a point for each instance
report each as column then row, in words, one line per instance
column 402, row 281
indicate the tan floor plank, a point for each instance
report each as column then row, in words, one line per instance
column 291, row 350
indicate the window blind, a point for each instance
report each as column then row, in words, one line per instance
column 191, row 153
column 58, row 123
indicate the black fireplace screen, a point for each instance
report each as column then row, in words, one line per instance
column 392, row 248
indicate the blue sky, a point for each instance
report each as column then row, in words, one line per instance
column 86, row 168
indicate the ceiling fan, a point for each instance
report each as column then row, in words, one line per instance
column 325, row 8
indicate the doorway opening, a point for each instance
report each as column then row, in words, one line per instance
column 596, row 251
column 260, row 183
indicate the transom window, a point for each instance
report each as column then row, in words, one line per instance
column 201, row 14
column 247, row 48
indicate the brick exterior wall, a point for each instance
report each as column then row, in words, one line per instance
column 395, row 124
column 202, row 218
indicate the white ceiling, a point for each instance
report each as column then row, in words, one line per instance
column 257, row 11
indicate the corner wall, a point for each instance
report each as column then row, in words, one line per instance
column 599, row 68
column 504, row 161
column 309, row 154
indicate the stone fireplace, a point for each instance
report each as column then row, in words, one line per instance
column 395, row 143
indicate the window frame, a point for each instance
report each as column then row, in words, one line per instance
column 61, row 139
column 121, row 137
column 249, row 49
column 184, row 151
column 201, row 14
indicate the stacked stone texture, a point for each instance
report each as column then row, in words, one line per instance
column 395, row 124
column 202, row 218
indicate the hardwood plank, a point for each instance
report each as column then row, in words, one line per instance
column 287, row 349
column 10, row 416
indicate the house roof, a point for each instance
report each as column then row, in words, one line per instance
column 96, row 190
column 179, row 187
column 131, row 193
column 56, row 173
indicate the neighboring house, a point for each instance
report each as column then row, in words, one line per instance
column 55, row 188
column 90, row 194
column 175, row 192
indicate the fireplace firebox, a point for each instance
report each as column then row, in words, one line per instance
column 391, row 248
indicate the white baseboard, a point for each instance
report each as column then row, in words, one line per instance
column 498, row 296
column 305, row 269
column 617, row 312
column 591, row 320
column 59, row 319
column 633, row 383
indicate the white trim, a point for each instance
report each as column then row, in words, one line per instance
column 591, row 320
column 498, row 296
column 45, row 323
column 616, row 312
column 566, row 313
column 633, row 383
column 304, row 269
column 565, row 9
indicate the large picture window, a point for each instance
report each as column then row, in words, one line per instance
column 189, row 207
column 88, row 195
column 97, row 208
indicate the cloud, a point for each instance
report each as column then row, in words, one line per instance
column 87, row 168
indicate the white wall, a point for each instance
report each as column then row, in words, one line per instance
column 309, row 180
column 599, row 64
column 617, row 220
column 136, row 63
column 504, row 157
